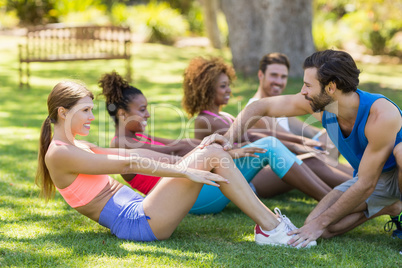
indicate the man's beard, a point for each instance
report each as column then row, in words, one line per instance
column 319, row 102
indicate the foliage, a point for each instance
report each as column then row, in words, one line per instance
column 83, row 11
column 93, row 15
column 223, row 28
column 163, row 24
column 195, row 18
column 32, row 12
column 66, row 6
column 370, row 23
column 375, row 25
column 325, row 30
column 184, row 6
column 110, row 3
column 191, row 11
column 158, row 22
column 119, row 14
column 8, row 19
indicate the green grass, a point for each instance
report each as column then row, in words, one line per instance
column 33, row 233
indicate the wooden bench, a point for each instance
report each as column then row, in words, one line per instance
column 58, row 42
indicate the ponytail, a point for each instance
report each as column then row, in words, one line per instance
column 42, row 179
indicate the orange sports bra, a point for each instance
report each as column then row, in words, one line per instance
column 84, row 188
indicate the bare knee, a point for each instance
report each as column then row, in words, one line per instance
column 214, row 156
column 327, row 234
column 215, row 150
column 163, row 232
column 163, row 236
column 392, row 210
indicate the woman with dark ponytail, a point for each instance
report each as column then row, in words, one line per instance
column 78, row 171
column 127, row 106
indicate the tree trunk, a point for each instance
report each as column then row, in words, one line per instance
column 258, row 27
column 211, row 25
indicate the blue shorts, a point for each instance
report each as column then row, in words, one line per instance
column 211, row 199
column 124, row 215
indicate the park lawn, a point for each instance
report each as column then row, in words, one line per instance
column 35, row 233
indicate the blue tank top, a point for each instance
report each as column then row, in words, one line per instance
column 353, row 146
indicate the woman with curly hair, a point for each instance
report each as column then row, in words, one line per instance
column 206, row 87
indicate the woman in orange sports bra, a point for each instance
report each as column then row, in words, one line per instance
column 78, row 170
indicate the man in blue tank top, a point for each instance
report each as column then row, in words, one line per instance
column 365, row 127
column 273, row 77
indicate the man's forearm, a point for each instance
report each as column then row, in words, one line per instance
column 343, row 206
column 323, row 205
column 245, row 120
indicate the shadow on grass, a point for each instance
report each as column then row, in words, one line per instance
column 82, row 245
column 89, row 245
column 17, row 155
column 222, row 239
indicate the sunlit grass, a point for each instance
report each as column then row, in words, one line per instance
column 35, row 234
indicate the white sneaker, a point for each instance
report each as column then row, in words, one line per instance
column 280, row 237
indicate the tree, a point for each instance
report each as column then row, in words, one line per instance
column 210, row 13
column 257, row 27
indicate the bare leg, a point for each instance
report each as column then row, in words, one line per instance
column 172, row 198
column 300, row 177
column 345, row 224
column 345, row 168
column 352, row 220
column 398, row 157
column 330, row 175
column 268, row 184
column 355, row 219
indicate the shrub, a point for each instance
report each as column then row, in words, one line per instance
column 370, row 23
column 326, row 33
column 83, row 11
column 93, row 15
column 31, row 12
column 223, row 28
column 120, row 14
column 8, row 19
column 161, row 23
column 375, row 34
column 195, row 18
column 395, row 45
